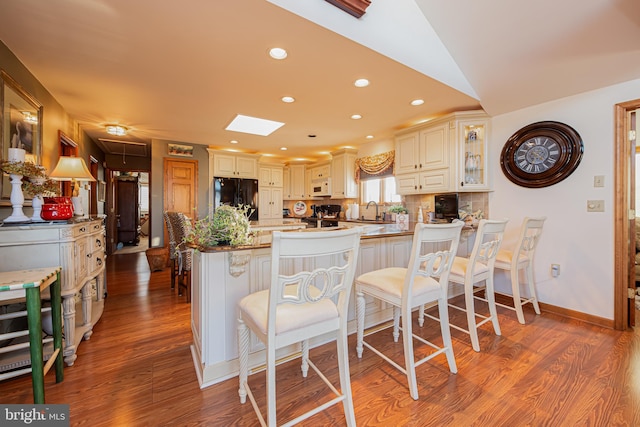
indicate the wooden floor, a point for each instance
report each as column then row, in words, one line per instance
column 136, row 370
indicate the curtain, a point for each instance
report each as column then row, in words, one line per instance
column 378, row 166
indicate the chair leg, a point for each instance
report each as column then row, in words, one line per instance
column 471, row 317
column 271, row 385
column 243, row 343
column 345, row 379
column 396, row 323
column 360, row 307
column 515, row 290
column 443, row 310
column 421, row 316
column 173, row 273
column 409, row 359
column 305, row 358
column 491, row 298
column 532, row 288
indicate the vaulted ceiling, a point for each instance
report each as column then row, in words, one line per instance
column 181, row 71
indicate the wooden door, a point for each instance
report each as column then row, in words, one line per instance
column 127, row 211
column 180, row 188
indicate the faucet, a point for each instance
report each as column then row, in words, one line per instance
column 377, row 216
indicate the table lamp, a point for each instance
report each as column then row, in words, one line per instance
column 72, row 169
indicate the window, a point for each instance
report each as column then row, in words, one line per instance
column 380, row 190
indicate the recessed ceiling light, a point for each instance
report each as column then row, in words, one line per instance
column 356, row 117
column 288, row 99
column 283, row 148
column 278, row 53
column 233, row 141
column 417, row 102
column 311, row 135
column 253, row 125
column 116, row 130
column 369, row 136
column 361, row 83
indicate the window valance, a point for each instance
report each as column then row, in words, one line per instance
column 377, row 166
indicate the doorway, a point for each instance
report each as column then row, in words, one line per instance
column 624, row 214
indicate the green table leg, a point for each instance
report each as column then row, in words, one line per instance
column 34, row 318
column 56, row 316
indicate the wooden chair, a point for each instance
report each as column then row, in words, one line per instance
column 521, row 258
column 181, row 226
column 424, row 281
column 474, row 270
column 311, row 280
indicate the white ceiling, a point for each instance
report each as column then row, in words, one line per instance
column 181, row 71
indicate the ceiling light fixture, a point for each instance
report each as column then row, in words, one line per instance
column 288, row 99
column 369, row 136
column 361, row 83
column 116, row 130
column 233, row 141
column 417, row 102
column 278, row 53
column 356, row 117
column 283, row 148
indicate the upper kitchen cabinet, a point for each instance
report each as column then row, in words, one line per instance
column 343, row 181
column 271, row 175
column 472, row 161
column 295, row 182
column 444, row 155
column 321, row 171
column 233, row 165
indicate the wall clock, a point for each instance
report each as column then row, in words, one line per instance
column 541, row 154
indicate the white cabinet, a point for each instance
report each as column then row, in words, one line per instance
column 271, row 176
column 321, row 171
column 472, row 161
column 446, row 154
column 343, row 180
column 80, row 250
column 231, row 165
column 269, row 203
column 296, row 177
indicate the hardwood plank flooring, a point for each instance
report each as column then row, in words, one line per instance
column 136, row 370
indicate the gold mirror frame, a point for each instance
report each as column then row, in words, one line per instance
column 20, row 126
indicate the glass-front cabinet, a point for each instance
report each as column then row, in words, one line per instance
column 472, row 154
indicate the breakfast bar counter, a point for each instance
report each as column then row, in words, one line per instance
column 221, row 276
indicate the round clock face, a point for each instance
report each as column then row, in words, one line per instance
column 541, row 154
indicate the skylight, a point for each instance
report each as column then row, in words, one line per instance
column 253, row 125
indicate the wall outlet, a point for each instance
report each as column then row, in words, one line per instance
column 598, row 181
column 427, row 205
column 555, row 270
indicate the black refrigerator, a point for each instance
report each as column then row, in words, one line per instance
column 236, row 192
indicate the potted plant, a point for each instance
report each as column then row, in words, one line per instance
column 401, row 216
column 229, row 225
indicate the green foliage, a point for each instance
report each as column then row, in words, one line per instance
column 397, row 209
column 228, row 226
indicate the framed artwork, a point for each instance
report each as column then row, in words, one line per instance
column 20, row 126
column 181, row 150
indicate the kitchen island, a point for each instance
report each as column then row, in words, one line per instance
column 222, row 276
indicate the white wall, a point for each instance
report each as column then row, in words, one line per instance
column 581, row 242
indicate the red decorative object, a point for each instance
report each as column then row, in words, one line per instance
column 56, row 208
column 355, row 8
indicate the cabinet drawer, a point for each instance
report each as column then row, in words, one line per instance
column 97, row 242
column 95, row 261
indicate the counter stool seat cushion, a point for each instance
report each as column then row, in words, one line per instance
column 390, row 282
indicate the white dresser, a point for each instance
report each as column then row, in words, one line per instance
column 78, row 247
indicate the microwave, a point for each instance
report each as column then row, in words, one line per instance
column 321, row 187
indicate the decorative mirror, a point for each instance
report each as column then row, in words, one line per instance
column 20, row 126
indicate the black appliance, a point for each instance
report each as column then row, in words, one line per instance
column 446, row 207
column 323, row 216
column 236, row 192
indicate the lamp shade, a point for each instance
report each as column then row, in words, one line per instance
column 71, row 168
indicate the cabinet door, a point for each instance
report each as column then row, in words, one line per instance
column 277, row 177
column 298, row 188
column 398, row 251
column 246, row 167
column 472, row 158
column 407, row 184
column 321, row 172
column 407, row 153
column 224, row 165
column 286, row 184
column 434, row 181
column 434, row 147
column 337, row 177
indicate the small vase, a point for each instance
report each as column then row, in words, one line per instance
column 17, row 200
column 36, row 202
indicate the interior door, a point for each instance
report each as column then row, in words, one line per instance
column 180, row 188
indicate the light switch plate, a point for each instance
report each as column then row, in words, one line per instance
column 598, row 181
column 595, row 205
